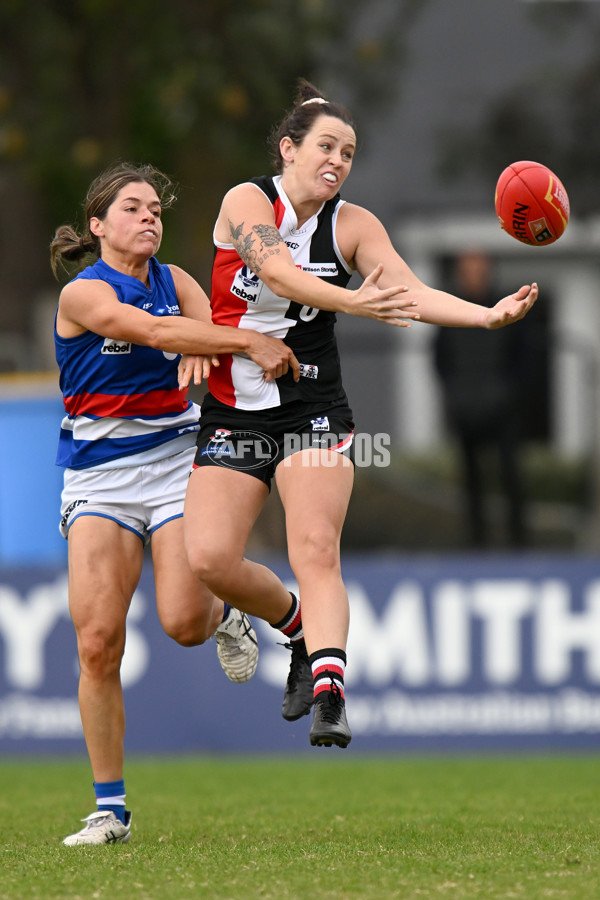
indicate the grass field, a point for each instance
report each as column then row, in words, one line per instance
column 319, row 827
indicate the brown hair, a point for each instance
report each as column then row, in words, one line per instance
column 68, row 245
column 299, row 120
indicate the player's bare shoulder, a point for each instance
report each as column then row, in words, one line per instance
column 354, row 223
column 243, row 206
column 77, row 301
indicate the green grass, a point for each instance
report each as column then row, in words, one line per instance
column 319, row 827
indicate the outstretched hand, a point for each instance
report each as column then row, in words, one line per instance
column 383, row 304
column 512, row 308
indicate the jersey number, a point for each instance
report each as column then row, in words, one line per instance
column 307, row 313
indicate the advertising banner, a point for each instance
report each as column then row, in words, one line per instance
column 444, row 653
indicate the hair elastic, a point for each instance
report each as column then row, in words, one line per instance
column 314, row 100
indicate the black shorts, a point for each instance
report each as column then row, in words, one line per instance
column 256, row 441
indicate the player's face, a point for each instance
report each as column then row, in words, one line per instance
column 132, row 225
column 324, row 158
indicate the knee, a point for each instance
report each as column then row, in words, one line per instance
column 189, row 630
column 320, row 548
column 100, row 651
column 212, row 567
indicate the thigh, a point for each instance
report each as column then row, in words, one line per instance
column 315, row 488
column 105, row 563
column 179, row 592
column 221, row 507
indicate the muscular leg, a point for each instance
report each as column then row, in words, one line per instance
column 221, row 508
column 105, row 562
column 315, row 488
column 188, row 611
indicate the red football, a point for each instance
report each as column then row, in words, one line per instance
column 531, row 203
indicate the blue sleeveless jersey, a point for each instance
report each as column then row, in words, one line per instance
column 121, row 398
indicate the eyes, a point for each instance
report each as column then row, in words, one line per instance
column 153, row 210
column 346, row 153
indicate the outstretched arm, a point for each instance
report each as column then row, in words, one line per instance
column 364, row 240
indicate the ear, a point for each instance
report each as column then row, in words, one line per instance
column 97, row 226
column 287, row 149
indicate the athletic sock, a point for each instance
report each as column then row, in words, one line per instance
column 226, row 611
column 328, row 668
column 291, row 624
column 111, row 795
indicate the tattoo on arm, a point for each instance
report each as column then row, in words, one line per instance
column 268, row 234
column 244, row 244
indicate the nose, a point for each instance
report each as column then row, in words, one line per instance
column 335, row 158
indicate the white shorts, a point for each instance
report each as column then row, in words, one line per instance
column 140, row 498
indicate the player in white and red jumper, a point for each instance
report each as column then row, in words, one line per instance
column 285, row 249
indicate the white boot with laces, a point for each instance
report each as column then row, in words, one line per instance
column 102, row 827
column 237, row 646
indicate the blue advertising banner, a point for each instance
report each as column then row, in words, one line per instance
column 444, row 653
column 30, row 482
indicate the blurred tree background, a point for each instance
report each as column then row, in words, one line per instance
column 195, row 87
column 554, row 116
column 192, row 87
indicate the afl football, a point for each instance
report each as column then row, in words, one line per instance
column 531, row 203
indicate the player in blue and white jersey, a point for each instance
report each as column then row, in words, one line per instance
column 127, row 442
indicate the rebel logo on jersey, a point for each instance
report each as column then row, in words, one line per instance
column 111, row 346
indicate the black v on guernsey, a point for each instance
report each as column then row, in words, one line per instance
column 240, row 299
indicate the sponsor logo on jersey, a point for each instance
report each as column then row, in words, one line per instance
column 169, row 309
column 246, row 285
column 320, row 424
column 116, row 348
column 307, row 371
column 322, row 270
column 221, row 434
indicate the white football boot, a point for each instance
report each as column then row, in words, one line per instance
column 102, row 827
column 237, row 646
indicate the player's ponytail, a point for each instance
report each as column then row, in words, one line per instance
column 69, row 246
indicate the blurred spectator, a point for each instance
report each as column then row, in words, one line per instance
column 482, row 375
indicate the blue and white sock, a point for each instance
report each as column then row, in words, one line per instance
column 111, row 795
